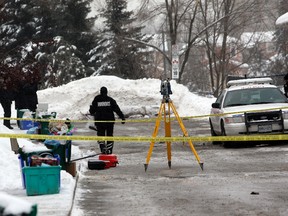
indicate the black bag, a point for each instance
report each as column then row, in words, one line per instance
column 94, row 164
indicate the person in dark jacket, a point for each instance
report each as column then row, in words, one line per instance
column 30, row 94
column 20, row 101
column 286, row 85
column 103, row 108
column 26, row 95
column 6, row 97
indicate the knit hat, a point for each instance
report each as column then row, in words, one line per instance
column 103, row 91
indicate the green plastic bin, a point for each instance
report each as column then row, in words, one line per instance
column 16, row 206
column 44, row 125
column 42, row 180
column 33, row 211
column 20, row 112
column 63, row 150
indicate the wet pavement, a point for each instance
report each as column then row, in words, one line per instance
column 235, row 181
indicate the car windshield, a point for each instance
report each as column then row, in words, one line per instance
column 250, row 96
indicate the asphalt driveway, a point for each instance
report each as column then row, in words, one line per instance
column 236, row 181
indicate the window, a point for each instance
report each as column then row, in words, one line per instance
column 254, row 96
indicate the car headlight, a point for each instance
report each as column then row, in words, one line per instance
column 235, row 119
column 285, row 114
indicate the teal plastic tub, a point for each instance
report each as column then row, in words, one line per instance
column 24, row 161
column 42, row 180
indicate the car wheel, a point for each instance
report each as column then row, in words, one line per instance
column 213, row 133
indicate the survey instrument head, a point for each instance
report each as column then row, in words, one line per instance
column 165, row 89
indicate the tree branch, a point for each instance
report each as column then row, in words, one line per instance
column 149, row 45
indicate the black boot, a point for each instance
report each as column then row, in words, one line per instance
column 7, row 124
column 109, row 147
column 102, row 146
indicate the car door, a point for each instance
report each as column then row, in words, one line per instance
column 215, row 110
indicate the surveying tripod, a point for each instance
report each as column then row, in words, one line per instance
column 167, row 102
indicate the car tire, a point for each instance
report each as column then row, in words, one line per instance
column 213, row 133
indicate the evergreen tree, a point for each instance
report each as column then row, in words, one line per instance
column 17, row 25
column 114, row 55
column 77, row 27
column 28, row 28
column 63, row 65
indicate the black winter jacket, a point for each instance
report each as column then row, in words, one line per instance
column 6, row 95
column 103, row 108
column 30, row 95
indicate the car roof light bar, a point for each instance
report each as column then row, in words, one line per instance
column 249, row 81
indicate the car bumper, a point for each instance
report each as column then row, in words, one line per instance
column 233, row 129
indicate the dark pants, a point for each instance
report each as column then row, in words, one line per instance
column 6, row 104
column 105, row 129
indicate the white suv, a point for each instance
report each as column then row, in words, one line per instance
column 249, row 106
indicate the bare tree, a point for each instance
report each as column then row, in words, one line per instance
column 176, row 15
column 215, row 26
column 222, row 41
column 183, row 20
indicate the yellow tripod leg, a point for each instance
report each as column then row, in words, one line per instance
column 168, row 134
column 186, row 134
column 155, row 132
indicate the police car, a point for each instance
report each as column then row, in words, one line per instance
column 249, row 106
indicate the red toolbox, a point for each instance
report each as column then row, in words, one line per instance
column 112, row 158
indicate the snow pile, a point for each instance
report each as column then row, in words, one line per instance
column 135, row 97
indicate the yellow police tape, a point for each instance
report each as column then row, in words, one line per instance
column 71, row 120
column 143, row 120
column 277, row 137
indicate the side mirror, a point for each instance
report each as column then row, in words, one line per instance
column 216, row 105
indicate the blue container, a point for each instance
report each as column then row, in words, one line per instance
column 22, row 164
column 42, row 180
column 26, row 125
